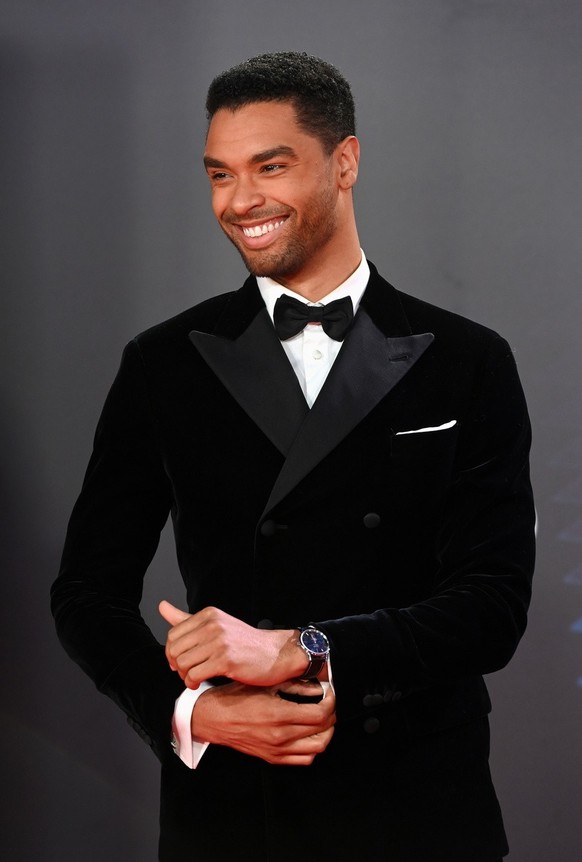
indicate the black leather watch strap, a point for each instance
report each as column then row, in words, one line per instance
column 313, row 668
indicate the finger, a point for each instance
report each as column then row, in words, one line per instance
column 196, row 667
column 301, row 709
column 172, row 614
column 308, row 687
column 303, row 722
column 321, row 714
column 301, row 691
column 302, row 687
column 300, row 698
column 194, row 676
column 304, row 750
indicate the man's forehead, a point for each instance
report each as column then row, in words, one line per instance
column 254, row 129
column 260, row 113
column 265, row 106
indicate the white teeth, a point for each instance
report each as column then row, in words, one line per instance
column 261, row 229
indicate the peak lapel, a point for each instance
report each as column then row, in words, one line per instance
column 378, row 351
column 369, row 365
column 246, row 355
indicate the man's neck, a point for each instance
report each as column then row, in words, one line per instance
column 315, row 285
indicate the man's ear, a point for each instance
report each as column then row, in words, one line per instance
column 348, row 158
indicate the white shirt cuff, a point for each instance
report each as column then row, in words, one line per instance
column 188, row 748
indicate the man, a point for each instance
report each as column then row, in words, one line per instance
column 363, row 477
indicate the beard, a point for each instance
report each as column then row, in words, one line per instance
column 301, row 243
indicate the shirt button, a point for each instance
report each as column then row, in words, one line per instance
column 317, row 354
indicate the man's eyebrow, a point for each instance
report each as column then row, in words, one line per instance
column 209, row 162
column 257, row 159
column 273, row 153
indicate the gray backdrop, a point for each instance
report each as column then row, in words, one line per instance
column 470, row 122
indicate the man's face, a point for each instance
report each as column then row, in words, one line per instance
column 274, row 190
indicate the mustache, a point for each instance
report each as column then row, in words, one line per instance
column 254, row 215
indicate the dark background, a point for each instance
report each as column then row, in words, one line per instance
column 471, row 128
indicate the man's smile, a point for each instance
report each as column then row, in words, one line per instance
column 257, row 234
column 260, row 229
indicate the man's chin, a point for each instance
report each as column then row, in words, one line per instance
column 265, row 266
column 262, row 268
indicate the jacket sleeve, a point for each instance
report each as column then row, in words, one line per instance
column 475, row 615
column 112, row 536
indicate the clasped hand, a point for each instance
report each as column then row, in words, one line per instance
column 248, row 714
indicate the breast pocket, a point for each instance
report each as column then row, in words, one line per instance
column 422, row 464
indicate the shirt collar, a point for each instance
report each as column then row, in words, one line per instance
column 354, row 287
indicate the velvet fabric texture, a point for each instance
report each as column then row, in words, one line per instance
column 412, row 551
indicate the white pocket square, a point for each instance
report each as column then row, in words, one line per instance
column 435, row 428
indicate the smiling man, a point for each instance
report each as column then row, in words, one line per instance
column 346, row 468
column 288, row 208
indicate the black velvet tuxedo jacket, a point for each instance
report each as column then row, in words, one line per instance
column 412, row 549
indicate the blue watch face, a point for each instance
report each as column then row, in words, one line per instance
column 315, row 641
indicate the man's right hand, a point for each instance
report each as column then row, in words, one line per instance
column 257, row 721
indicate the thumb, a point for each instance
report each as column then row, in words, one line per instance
column 171, row 614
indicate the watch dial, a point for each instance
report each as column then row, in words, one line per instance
column 315, row 641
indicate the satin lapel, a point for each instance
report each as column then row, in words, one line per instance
column 246, row 355
column 369, row 365
column 255, row 370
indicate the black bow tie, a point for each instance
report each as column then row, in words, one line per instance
column 291, row 316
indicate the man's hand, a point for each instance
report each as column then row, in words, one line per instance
column 257, row 721
column 212, row 643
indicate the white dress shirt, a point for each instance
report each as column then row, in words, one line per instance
column 311, row 353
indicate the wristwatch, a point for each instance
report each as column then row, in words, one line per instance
column 316, row 647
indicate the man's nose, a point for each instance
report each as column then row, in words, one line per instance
column 246, row 195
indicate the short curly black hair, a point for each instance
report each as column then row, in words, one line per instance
column 320, row 94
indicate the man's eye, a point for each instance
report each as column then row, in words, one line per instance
column 269, row 169
column 219, row 175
